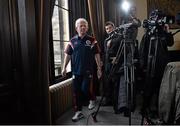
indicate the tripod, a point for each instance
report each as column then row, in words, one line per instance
column 126, row 52
column 155, row 40
column 154, row 45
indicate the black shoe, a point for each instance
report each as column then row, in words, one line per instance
column 154, row 114
column 126, row 113
column 123, row 109
column 119, row 111
column 147, row 121
column 107, row 103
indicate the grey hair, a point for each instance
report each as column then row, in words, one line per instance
column 81, row 20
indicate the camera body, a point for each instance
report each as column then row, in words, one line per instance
column 157, row 20
column 121, row 31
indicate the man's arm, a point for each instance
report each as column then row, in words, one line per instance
column 135, row 21
column 169, row 35
column 98, row 62
column 66, row 61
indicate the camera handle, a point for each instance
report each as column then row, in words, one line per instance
column 176, row 32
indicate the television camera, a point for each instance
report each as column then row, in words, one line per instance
column 121, row 30
column 125, row 52
column 157, row 20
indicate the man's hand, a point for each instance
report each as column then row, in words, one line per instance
column 63, row 72
column 99, row 73
column 114, row 60
column 166, row 28
column 109, row 44
column 101, row 63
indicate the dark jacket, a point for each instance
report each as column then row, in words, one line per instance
column 112, row 51
column 161, row 58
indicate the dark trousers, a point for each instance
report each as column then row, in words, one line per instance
column 81, row 90
column 108, row 87
column 151, row 92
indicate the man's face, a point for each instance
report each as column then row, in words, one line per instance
column 109, row 29
column 133, row 11
column 82, row 28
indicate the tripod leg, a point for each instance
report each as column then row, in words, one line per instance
column 142, row 120
column 154, row 57
column 151, row 66
column 131, row 79
column 126, row 79
column 129, row 98
column 129, row 73
column 94, row 114
column 132, row 75
column 113, row 68
column 148, row 78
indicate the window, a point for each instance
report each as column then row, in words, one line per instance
column 60, row 28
